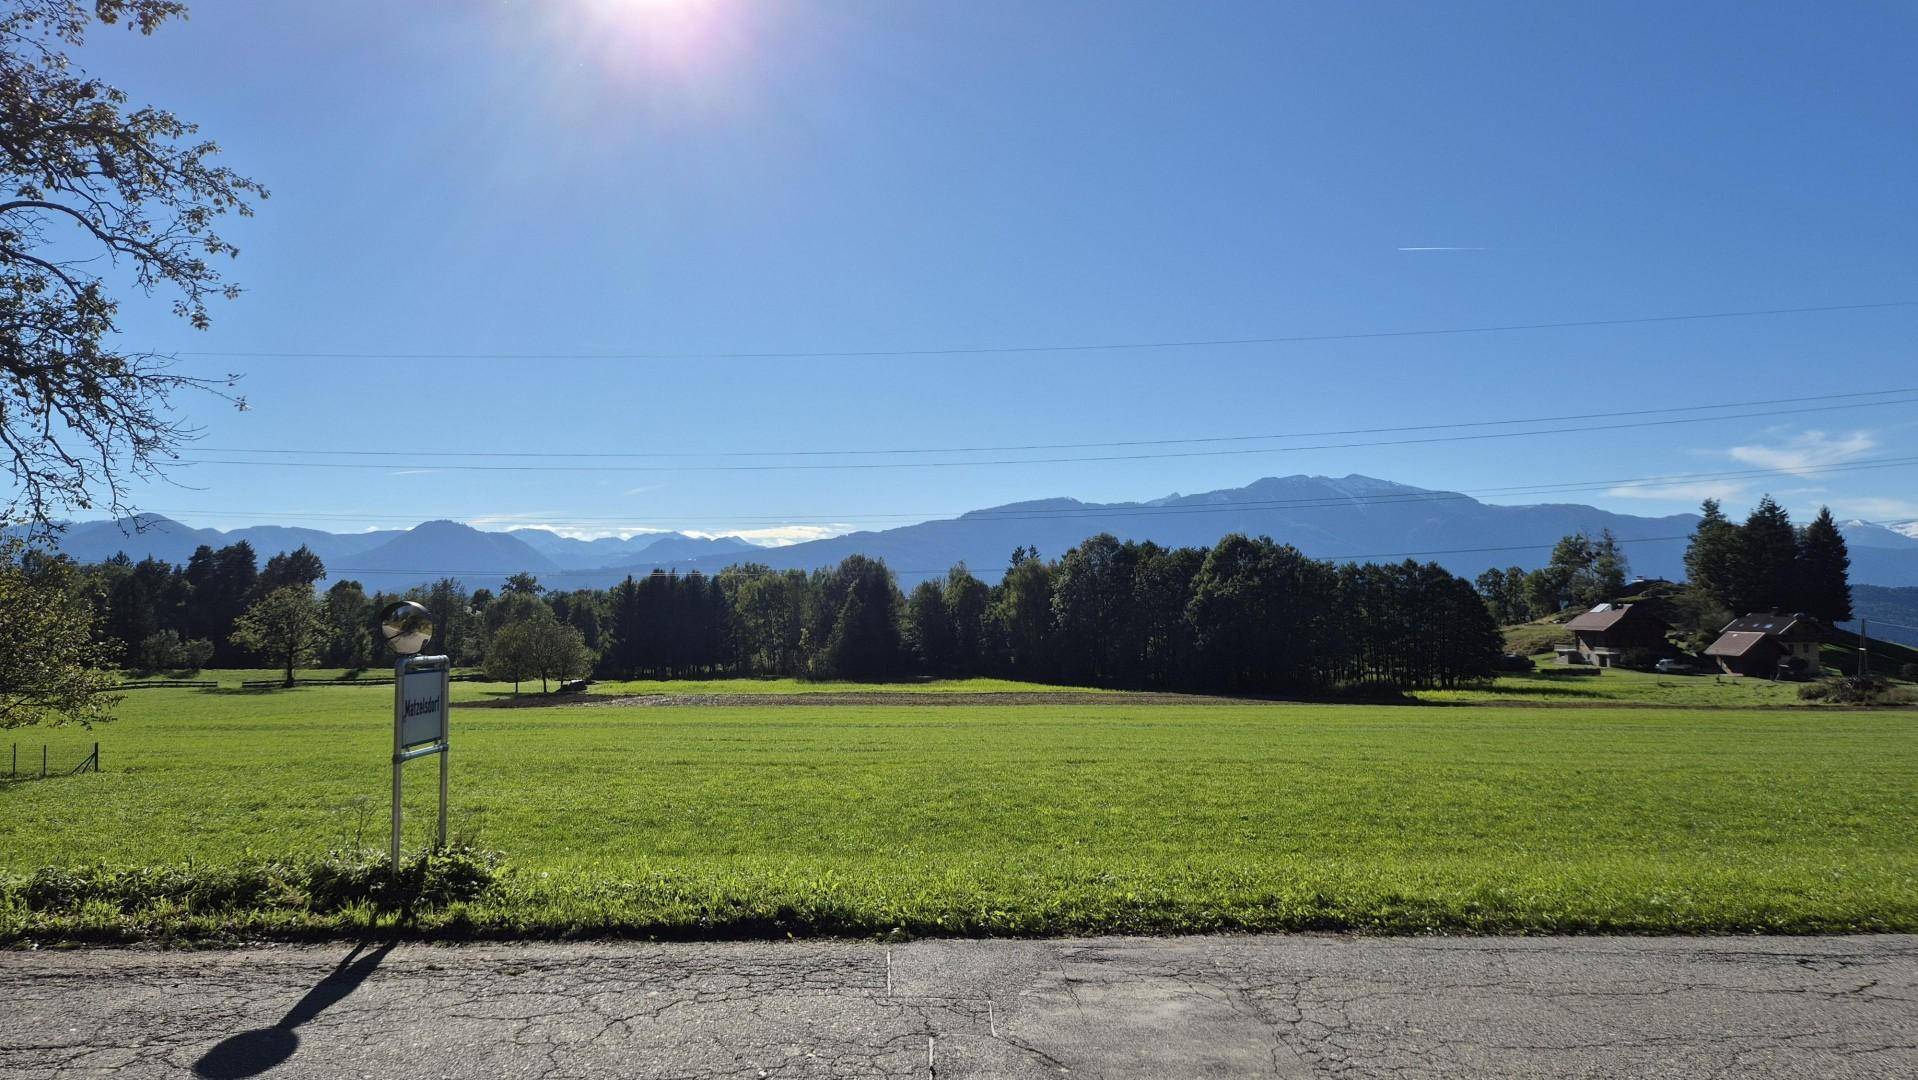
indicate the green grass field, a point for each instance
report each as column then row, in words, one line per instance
column 1029, row 818
column 1553, row 684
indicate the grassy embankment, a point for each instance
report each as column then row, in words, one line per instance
column 1017, row 819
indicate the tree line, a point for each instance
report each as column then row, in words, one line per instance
column 1246, row 615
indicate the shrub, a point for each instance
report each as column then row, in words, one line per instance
column 334, row 881
column 164, row 651
column 1855, row 690
column 1908, row 672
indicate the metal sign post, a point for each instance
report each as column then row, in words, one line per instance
column 422, row 695
column 421, row 687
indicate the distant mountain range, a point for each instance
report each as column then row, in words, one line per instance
column 1351, row 517
column 394, row 559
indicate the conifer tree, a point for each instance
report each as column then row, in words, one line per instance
column 1823, row 570
column 1764, row 563
column 1709, row 558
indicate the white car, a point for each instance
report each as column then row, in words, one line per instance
column 1673, row 667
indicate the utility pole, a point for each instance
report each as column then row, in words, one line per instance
column 1864, row 648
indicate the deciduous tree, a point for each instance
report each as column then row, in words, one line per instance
column 51, row 667
column 286, row 625
column 928, row 630
column 105, row 199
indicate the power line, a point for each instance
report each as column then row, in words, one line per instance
column 787, row 467
column 1051, row 446
column 1127, row 510
column 1122, row 346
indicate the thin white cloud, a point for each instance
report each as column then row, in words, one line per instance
column 776, row 535
column 555, row 522
column 1694, row 491
column 514, row 521
column 413, row 472
column 1443, row 247
column 1808, row 450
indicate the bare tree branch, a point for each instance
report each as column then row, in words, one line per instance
column 80, row 419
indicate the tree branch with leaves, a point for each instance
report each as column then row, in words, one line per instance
column 99, row 199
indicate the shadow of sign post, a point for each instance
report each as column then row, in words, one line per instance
column 251, row 1053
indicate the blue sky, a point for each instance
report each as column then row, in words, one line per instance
column 720, row 176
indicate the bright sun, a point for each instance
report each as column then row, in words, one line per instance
column 660, row 35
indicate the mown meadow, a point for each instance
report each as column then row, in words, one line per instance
column 1022, row 818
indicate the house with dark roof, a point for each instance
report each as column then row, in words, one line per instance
column 1766, row 643
column 1602, row 635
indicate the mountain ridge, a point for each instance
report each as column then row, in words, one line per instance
column 1349, row 517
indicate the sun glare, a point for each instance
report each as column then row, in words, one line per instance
column 649, row 37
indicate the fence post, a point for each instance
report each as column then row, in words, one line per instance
column 96, row 757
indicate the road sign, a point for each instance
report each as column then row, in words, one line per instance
column 422, row 704
column 421, row 696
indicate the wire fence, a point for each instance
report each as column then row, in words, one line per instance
column 48, row 763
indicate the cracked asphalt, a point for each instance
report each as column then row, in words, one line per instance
column 1114, row 1007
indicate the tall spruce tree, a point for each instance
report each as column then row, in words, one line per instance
column 1764, row 566
column 1713, row 550
column 1824, row 570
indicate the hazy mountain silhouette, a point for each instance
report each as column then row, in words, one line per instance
column 168, row 540
column 575, row 554
column 437, row 549
column 1350, row 517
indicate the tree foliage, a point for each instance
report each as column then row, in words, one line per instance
column 286, row 624
column 1767, row 565
column 104, row 199
column 1763, row 577
column 1582, row 571
column 1822, row 575
column 1713, row 549
column 1246, row 615
column 538, row 646
column 52, row 669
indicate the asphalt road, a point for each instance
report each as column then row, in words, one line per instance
column 1191, row 1007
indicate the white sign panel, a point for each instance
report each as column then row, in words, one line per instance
column 422, row 707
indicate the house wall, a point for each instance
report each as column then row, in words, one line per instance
column 1760, row 662
column 1806, row 651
